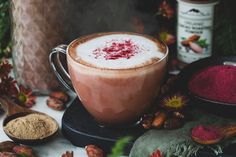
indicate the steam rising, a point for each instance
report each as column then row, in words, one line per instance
column 92, row 16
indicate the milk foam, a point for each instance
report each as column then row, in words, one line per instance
column 145, row 50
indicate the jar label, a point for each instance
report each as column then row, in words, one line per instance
column 195, row 24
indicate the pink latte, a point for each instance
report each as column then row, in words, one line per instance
column 117, row 75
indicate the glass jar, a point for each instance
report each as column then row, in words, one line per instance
column 194, row 29
column 36, row 29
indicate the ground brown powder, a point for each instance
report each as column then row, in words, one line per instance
column 32, row 126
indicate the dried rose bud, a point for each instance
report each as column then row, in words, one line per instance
column 94, row 151
column 156, row 153
column 60, row 95
column 23, row 150
column 159, row 119
column 25, row 97
column 7, row 146
column 7, row 154
column 55, row 104
column 166, row 10
column 68, row 154
column 147, row 121
column 173, row 123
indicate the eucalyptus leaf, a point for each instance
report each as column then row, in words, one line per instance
column 118, row 149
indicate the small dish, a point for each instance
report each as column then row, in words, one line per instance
column 26, row 141
column 14, row 111
column 212, row 105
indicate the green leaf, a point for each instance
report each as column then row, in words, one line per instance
column 202, row 43
column 22, row 155
column 118, row 149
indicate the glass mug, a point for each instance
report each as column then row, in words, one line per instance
column 111, row 96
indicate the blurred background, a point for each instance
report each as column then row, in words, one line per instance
column 151, row 17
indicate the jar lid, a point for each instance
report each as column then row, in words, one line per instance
column 210, row 2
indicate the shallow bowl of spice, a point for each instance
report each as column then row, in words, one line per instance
column 30, row 128
column 211, row 83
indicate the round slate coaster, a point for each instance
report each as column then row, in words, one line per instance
column 81, row 129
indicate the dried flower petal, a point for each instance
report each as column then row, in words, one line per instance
column 174, row 102
column 25, row 97
column 166, row 10
column 8, row 86
column 156, row 153
column 167, row 38
column 5, row 68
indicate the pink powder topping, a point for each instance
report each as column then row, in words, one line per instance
column 117, row 49
column 206, row 132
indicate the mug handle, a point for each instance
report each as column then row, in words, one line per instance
column 59, row 70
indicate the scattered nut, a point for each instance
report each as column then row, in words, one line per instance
column 173, row 123
column 68, row 154
column 156, row 153
column 60, row 96
column 159, row 119
column 179, row 115
column 147, row 121
column 24, row 150
column 94, row 151
column 7, row 146
column 55, row 104
column 11, row 149
column 7, row 154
